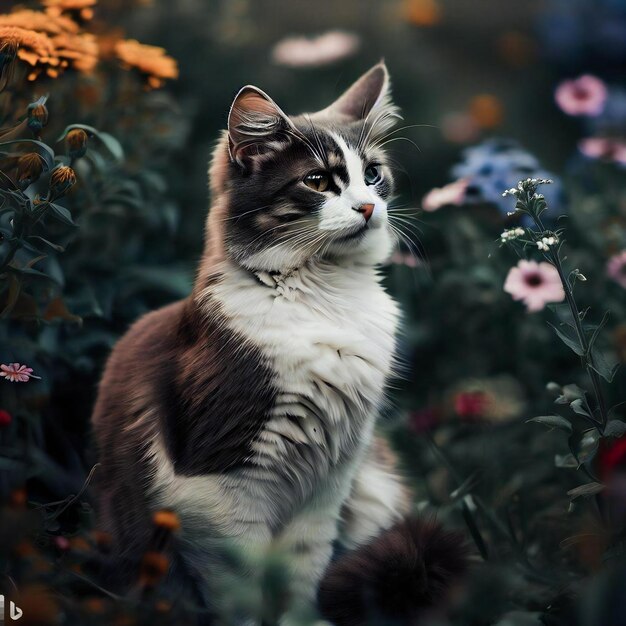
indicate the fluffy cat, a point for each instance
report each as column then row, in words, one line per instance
column 249, row 408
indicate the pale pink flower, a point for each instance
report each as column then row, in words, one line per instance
column 583, row 96
column 398, row 258
column 315, row 51
column 616, row 268
column 16, row 373
column 604, row 148
column 535, row 284
column 453, row 193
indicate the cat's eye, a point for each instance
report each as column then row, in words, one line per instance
column 318, row 181
column 372, row 175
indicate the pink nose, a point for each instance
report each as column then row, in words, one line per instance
column 366, row 210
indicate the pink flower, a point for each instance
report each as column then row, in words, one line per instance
column 453, row 193
column 604, row 148
column 616, row 268
column 315, row 51
column 535, row 284
column 398, row 258
column 470, row 404
column 16, row 373
column 584, row 96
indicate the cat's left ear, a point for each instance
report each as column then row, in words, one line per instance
column 369, row 97
column 254, row 122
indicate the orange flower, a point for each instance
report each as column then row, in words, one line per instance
column 148, row 60
column 40, row 22
column 422, row 12
column 33, row 48
column 77, row 51
column 166, row 519
column 486, row 111
column 82, row 7
column 49, row 42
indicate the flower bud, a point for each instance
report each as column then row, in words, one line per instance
column 37, row 115
column 61, row 180
column 29, row 169
column 76, row 143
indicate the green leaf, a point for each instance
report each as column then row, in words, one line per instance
column 566, row 461
column 605, row 365
column 62, row 214
column 573, row 392
column 615, row 428
column 577, row 407
column 467, row 506
column 553, row 421
column 12, row 294
column 54, row 246
column 585, row 491
column 568, row 336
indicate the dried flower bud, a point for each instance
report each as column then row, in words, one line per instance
column 29, row 169
column 61, row 180
column 37, row 115
column 154, row 566
column 76, row 143
column 167, row 520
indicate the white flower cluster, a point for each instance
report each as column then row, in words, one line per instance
column 524, row 185
column 546, row 242
column 511, row 233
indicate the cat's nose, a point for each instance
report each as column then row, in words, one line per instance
column 366, row 210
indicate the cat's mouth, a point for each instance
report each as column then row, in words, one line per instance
column 354, row 234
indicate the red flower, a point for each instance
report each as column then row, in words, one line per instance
column 470, row 404
column 611, row 457
column 5, row 418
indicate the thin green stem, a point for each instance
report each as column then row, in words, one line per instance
column 555, row 260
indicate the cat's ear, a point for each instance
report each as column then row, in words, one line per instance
column 369, row 97
column 254, row 122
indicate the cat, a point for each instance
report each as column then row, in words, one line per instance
column 249, row 408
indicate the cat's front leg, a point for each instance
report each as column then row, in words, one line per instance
column 307, row 545
column 378, row 497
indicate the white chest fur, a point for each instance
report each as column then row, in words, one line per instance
column 328, row 334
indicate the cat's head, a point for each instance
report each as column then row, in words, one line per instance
column 309, row 185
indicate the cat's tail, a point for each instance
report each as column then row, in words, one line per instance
column 403, row 571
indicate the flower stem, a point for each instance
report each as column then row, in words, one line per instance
column 553, row 257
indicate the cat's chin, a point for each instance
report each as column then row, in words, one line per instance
column 370, row 246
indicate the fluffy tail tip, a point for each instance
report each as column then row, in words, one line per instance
column 406, row 569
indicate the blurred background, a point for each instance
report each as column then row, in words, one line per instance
column 491, row 92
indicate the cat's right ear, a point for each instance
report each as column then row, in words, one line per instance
column 255, row 121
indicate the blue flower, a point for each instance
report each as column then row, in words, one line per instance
column 499, row 164
column 579, row 31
